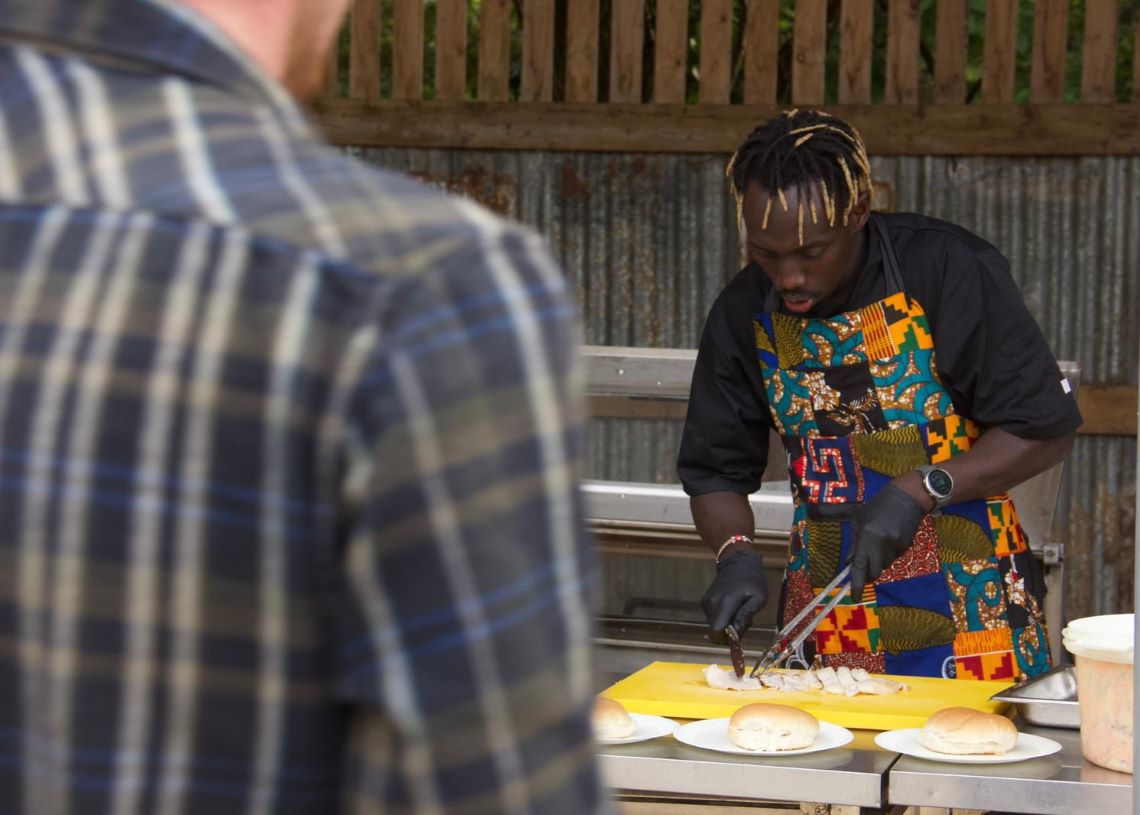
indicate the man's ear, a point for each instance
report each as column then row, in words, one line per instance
column 860, row 213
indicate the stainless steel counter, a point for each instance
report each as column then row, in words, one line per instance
column 851, row 775
column 1060, row 784
column 862, row 775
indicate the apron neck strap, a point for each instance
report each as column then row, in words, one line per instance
column 890, row 258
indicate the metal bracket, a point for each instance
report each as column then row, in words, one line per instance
column 1053, row 553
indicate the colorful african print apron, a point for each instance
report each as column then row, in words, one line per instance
column 858, row 401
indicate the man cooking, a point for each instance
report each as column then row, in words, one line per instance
column 896, row 359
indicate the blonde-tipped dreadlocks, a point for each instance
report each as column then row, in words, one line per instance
column 804, row 149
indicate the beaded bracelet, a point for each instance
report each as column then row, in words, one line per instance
column 730, row 541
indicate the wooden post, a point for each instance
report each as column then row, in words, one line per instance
column 1050, row 35
column 494, row 50
column 999, row 52
column 408, row 50
column 761, row 50
column 364, row 50
column 856, row 28
column 1098, row 51
column 716, row 51
column 626, row 44
column 538, row 51
column 902, row 52
column 950, row 53
column 450, row 49
column 582, row 51
column 809, row 44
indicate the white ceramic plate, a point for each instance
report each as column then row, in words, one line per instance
column 712, row 734
column 648, row 727
column 906, row 742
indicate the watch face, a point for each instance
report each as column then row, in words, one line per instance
column 940, row 482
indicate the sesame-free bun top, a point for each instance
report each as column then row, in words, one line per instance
column 610, row 719
column 765, row 726
column 964, row 731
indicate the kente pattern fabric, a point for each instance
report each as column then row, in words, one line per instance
column 858, row 401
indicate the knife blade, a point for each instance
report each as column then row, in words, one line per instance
column 735, row 652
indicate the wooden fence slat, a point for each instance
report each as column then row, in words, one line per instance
column 494, row 50
column 982, row 130
column 716, row 51
column 450, row 49
column 332, row 71
column 1136, row 63
column 761, row 51
column 670, row 51
column 1098, row 51
column 999, row 52
column 538, row 51
column 626, row 43
column 1050, row 36
column 950, row 49
column 856, row 28
column 809, row 45
column 902, row 52
column 582, row 51
column 364, row 50
column 408, row 49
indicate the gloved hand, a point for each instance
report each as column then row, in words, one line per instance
column 883, row 528
column 738, row 591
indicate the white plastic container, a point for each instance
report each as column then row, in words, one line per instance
column 1102, row 648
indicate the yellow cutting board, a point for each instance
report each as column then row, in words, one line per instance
column 679, row 690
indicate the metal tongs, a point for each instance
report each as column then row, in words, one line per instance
column 784, row 644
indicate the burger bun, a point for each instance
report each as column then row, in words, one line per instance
column 769, row 727
column 610, row 720
column 963, row 731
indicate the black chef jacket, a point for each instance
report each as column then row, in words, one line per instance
column 991, row 355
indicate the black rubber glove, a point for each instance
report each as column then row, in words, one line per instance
column 883, row 528
column 738, row 591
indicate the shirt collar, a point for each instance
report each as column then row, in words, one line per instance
column 160, row 35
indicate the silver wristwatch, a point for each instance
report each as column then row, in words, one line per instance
column 938, row 484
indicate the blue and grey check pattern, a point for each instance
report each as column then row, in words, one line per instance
column 289, row 449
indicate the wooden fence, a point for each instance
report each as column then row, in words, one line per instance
column 680, row 76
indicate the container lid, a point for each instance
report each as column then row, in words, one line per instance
column 1107, row 637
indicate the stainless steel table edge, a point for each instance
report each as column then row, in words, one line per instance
column 843, row 776
column 1061, row 784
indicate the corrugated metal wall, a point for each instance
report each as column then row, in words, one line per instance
column 650, row 239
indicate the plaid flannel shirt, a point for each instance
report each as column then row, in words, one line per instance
column 289, row 447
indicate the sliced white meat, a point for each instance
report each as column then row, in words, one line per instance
column 881, row 686
column 771, row 680
column 878, row 687
column 829, row 680
column 859, row 674
column 801, row 681
column 850, row 686
column 721, row 679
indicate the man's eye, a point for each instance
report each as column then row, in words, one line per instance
column 813, row 253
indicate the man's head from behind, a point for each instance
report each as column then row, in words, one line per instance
column 290, row 39
column 803, row 189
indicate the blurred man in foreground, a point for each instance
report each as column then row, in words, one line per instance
column 289, row 446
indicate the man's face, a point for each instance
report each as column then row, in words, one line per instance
column 811, row 274
column 317, row 23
